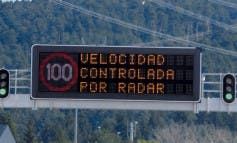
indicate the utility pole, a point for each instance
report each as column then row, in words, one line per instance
column 135, row 129
column 83, row 41
column 75, row 133
column 131, row 132
column 197, row 32
column 105, row 41
column 127, row 129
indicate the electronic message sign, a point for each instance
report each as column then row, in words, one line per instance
column 115, row 72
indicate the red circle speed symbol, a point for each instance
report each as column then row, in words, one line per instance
column 74, row 67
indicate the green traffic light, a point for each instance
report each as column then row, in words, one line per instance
column 3, row 91
column 229, row 96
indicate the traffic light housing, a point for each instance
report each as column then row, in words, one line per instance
column 229, row 88
column 4, row 83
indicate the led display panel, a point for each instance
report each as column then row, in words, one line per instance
column 115, row 72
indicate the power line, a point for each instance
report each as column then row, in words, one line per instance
column 193, row 15
column 142, row 29
column 227, row 4
column 224, row 3
column 191, row 37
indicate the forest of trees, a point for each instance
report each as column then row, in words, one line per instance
column 24, row 23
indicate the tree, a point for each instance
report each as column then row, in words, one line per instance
column 30, row 133
column 105, row 136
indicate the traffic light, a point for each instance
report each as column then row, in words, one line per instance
column 4, row 83
column 229, row 88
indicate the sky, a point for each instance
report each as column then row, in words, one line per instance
column 9, row 0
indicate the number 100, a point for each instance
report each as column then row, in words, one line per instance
column 57, row 72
